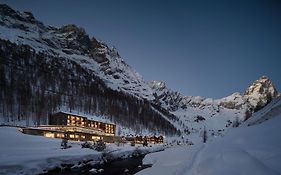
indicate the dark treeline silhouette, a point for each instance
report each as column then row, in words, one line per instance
column 34, row 85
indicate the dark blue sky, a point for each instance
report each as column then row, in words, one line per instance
column 207, row 48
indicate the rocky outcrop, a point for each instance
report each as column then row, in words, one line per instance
column 260, row 93
column 75, row 39
column 170, row 100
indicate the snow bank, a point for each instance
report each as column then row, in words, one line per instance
column 245, row 150
column 174, row 160
column 26, row 154
column 255, row 150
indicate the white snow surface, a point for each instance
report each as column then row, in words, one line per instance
column 244, row 150
column 27, row 154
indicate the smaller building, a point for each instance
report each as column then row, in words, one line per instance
column 149, row 139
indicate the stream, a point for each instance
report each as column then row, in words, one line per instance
column 128, row 166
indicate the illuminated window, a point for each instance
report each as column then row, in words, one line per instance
column 83, row 137
column 96, row 137
column 60, row 135
column 71, row 136
column 68, row 117
column 49, row 134
column 76, row 136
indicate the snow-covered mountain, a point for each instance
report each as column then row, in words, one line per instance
column 44, row 69
column 194, row 113
column 72, row 42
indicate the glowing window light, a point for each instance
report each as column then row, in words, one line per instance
column 49, row 134
column 96, row 138
column 71, row 136
column 59, row 135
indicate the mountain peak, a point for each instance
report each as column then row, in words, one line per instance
column 260, row 92
column 261, row 86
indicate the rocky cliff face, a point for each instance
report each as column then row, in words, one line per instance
column 74, row 43
column 171, row 100
column 260, row 93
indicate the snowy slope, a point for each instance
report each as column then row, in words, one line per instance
column 271, row 110
column 244, row 150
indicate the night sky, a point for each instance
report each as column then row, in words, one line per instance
column 206, row 48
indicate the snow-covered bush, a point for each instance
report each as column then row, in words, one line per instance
column 99, row 146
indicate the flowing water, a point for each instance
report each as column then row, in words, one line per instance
column 127, row 166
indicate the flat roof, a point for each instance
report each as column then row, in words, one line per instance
column 89, row 117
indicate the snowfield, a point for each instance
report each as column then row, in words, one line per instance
column 244, row 150
column 26, row 154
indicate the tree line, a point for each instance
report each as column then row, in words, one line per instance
column 35, row 85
